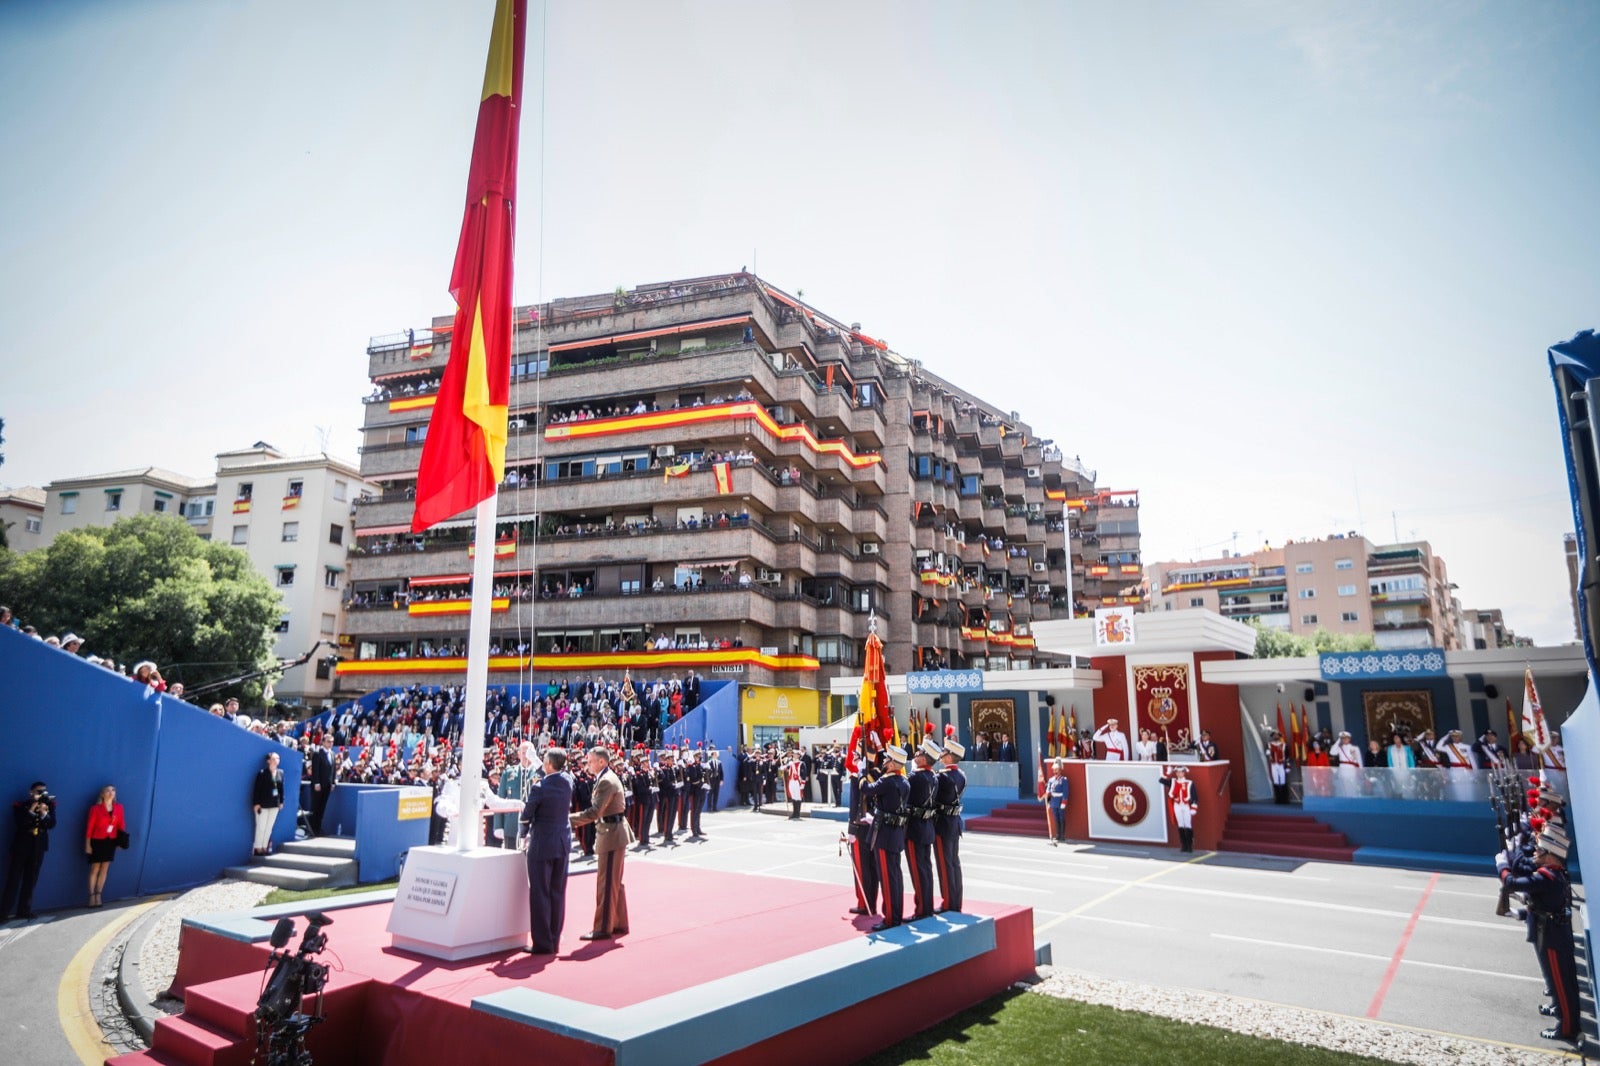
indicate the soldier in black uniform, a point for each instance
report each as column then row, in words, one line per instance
column 714, row 779
column 582, row 793
column 767, row 789
column 947, row 822
column 694, row 793
column 642, row 784
column 892, row 792
column 862, row 811
column 34, row 817
column 667, row 795
column 919, row 831
column 1549, row 896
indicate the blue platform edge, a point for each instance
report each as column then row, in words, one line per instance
column 1430, row 861
column 722, row 1016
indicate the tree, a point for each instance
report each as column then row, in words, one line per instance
column 1282, row 644
column 148, row 587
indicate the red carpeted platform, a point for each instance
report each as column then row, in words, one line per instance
column 1295, row 836
column 717, row 967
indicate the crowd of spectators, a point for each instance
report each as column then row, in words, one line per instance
column 143, row 672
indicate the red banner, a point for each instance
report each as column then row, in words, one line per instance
column 1161, row 700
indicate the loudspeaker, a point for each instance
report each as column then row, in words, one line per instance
column 938, row 701
column 1491, row 692
column 1311, row 694
column 1049, row 701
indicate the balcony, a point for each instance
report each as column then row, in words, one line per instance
column 406, row 354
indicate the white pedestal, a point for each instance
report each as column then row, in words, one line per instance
column 461, row 904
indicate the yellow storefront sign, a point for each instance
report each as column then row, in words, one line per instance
column 784, row 707
column 416, row 806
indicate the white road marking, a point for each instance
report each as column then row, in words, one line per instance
column 1346, row 908
column 1374, row 958
column 1110, row 921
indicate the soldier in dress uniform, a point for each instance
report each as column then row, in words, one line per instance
column 1180, row 791
column 919, row 831
column 892, row 792
column 1055, row 797
column 947, row 822
column 1549, row 895
column 642, row 783
column 694, row 792
column 514, row 782
column 667, row 795
column 1278, row 767
column 582, row 793
column 862, row 813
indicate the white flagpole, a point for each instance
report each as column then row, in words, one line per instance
column 469, row 826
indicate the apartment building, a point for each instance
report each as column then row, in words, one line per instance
column 101, row 499
column 22, row 517
column 1400, row 593
column 711, row 474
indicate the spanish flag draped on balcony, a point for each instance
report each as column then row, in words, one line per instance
column 463, row 458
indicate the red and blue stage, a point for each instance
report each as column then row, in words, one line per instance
column 718, row 967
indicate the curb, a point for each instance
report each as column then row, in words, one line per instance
column 139, row 1012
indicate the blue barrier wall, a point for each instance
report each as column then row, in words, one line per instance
column 183, row 777
column 1457, row 828
column 713, row 724
column 370, row 814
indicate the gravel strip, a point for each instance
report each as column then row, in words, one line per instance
column 158, row 962
column 1294, row 1024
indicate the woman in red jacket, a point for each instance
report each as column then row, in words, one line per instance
column 106, row 823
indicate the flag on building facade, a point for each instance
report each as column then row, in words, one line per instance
column 463, row 457
column 674, row 470
column 724, row 475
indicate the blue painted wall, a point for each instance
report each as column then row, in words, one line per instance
column 1456, row 828
column 1446, row 714
column 370, row 814
column 715, row 724
column 183, row 777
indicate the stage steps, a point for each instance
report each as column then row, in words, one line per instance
column 301, row 865
column 1286, row 835
column 1022, row 819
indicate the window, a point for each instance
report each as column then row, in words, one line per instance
column 113, row 501
column 1343, row 564
column 341, row 489
column 330, row 577
column 296, row 489
column 1308, row 619
column 161, row 505
column 246, row 489
column 969, row 484
column 335, row 534
column 241, row 534
column 34, row 524
column 69, row 503
column 1303, row 568
column 282, row 626
column 416, row 434
column 1349, row 616
column 285, row 576
column 327, row 625
column 291, row 532
column 1347, row 590
column 1308, row 594
column 1197, row 601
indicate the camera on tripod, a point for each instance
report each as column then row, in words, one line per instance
column 281, row 1021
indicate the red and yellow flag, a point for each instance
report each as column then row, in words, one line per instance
column 724, row 473
column 464, row 456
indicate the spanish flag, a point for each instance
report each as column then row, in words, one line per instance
column 724, row 473
column 675, row 470
column 464, row 456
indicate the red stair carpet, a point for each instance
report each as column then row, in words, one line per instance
column 1014, row 819
column 1293, row 836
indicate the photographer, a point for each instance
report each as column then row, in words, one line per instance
column 35, row 816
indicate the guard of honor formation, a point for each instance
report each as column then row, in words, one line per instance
column 916, row 815
column 1534, row 865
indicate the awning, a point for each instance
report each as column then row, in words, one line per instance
column 440, row 579
column 284, row 566
column 383, row 531
column 710, row 562
column 335, row 569
column 454, row 523
column 617, row 338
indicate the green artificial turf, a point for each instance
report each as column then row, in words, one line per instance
column 284, row 895
column 1025, row 1027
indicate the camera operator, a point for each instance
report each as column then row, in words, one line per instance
column 35, row 816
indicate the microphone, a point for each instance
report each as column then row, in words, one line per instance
column 282, row 932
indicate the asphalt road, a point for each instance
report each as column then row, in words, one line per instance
column 1399, row 946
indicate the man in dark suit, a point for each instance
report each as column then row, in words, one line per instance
column 691, row 691
column 321, row 781
column 548, row 832
column 1008, row 750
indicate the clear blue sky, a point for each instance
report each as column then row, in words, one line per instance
column 1285, row 268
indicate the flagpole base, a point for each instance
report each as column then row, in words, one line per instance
column 461, row 904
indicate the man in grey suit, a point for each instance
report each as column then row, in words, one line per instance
column 612, row 836
column 549, row 838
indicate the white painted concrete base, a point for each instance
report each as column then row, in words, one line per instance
column 461, row 904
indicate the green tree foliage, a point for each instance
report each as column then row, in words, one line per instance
column 1282, row 644
column 149, row 588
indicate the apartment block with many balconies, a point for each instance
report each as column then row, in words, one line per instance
column 712, row 474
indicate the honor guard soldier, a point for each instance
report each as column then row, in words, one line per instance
column 1549, row 895
column 947, row 822
column 1278, row 767
column 667, row 795
column 694, row 788
column 582, row 793
column 643, row 785
column 919, row 832
column 893, row 793
column 1180, row 792
column 1055, row 798
column 861, row 819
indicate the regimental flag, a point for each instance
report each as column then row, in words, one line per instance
column 1305, row 723
column 1281, row 732
column 1513, row 729
column 876, row 715
column 675, row 470
column 241, row 506
column 724, row 475
column 464, row 456
column 291, row 502
column 1051, row 739
column 1534, row 727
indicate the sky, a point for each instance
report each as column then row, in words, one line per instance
column 1286, row 269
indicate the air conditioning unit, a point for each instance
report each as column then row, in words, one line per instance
column 666, row 449
column 1035, row 472
column 769, row 577
column 871, row 547
column 1038, row 568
